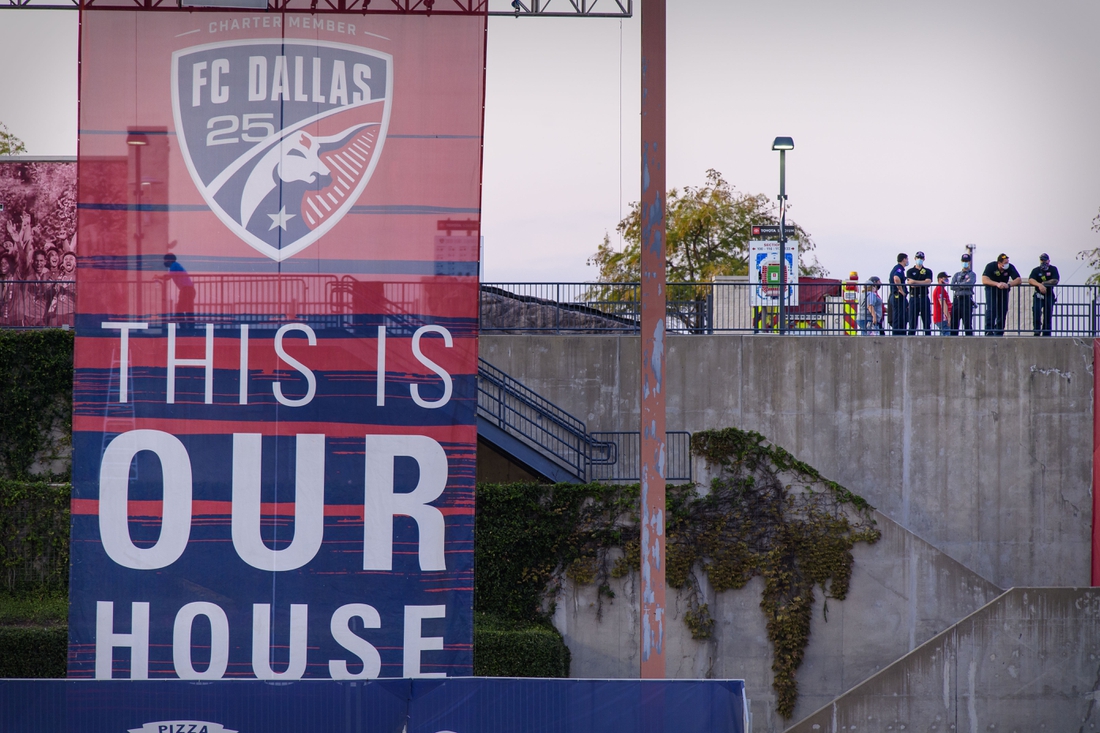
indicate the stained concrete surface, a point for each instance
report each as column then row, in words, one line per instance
column 903, row 592
column 1027, row 662
column 977, row 452
column 981, row 446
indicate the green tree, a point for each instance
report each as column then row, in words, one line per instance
column 10, row 144
column 1092, row 256
column 707, row 234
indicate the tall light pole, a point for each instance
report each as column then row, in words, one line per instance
column 783, row 144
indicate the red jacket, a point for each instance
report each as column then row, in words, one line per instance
column 941, row 304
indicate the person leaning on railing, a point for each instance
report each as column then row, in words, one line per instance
column 999, row 277
column 1043, row 278
column 962, row 287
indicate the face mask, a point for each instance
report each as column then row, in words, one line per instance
column 966, row 265
column 920, row 262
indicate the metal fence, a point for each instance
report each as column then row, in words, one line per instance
column 255, row 299
column 817, row 308
column 591, row 456
column 628, row 448
column 37, row 303
column 523, row 412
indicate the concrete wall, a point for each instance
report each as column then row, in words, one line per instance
column 1029, row 661
column 903, row 592
column 980, row 446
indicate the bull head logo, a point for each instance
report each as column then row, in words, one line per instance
column 281, row 188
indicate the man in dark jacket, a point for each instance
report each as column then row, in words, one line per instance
column 999, row 278
column 1043, row 278
column 899, row 312
column 919, row 279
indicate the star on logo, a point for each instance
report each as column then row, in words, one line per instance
column 280, row 219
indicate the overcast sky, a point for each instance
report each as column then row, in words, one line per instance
column 920, row 126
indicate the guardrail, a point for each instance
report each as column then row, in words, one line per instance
column 595, row 456
column 37, row 303
column 817, row 308
column 523, row 412
column 628, row 448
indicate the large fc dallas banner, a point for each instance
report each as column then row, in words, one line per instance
column 274, row 414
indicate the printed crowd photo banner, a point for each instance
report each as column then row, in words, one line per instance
column 275, row 389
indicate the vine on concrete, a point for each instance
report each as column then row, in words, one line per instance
column 794, row 535
column 766, row 514
column 34, row 536
column 529, row 537
column 36, row 383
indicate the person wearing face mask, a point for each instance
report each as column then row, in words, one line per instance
column 999, row 277
column 962, row 287
column 919, row 278
column 1043, row 278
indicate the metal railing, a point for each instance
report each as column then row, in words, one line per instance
column 596, row 456
column 818, row 308
column 37, row 303
column 254, row 299
column 628, row 448
column 505, row 8
column 524, row 413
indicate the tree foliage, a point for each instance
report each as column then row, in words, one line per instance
column 708, row 229
column 9, row 143
column 1092, row 256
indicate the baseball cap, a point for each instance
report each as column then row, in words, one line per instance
column 966, row 257
column 1002, row 257
column 1044, row 257
column 920, row 255
column 875, row 279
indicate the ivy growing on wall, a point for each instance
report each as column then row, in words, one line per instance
column 528, row 536
column 752, row 522
column 34, row 536
column 36, row 382
column 765, row 515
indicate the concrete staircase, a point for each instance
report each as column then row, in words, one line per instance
column 977, row 452
column 1029, row 660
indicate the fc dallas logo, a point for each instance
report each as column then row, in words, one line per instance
column 281, row 136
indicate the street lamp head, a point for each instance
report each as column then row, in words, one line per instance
column 783, row 143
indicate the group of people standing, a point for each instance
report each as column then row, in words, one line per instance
column 909, row 304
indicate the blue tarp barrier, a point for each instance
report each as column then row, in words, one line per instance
column 458, row 705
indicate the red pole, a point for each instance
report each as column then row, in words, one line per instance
column 653, row 341
column 1095, row 463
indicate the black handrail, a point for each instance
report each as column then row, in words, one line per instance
column 596, row 456
column 824, row 307
column 523, row 412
